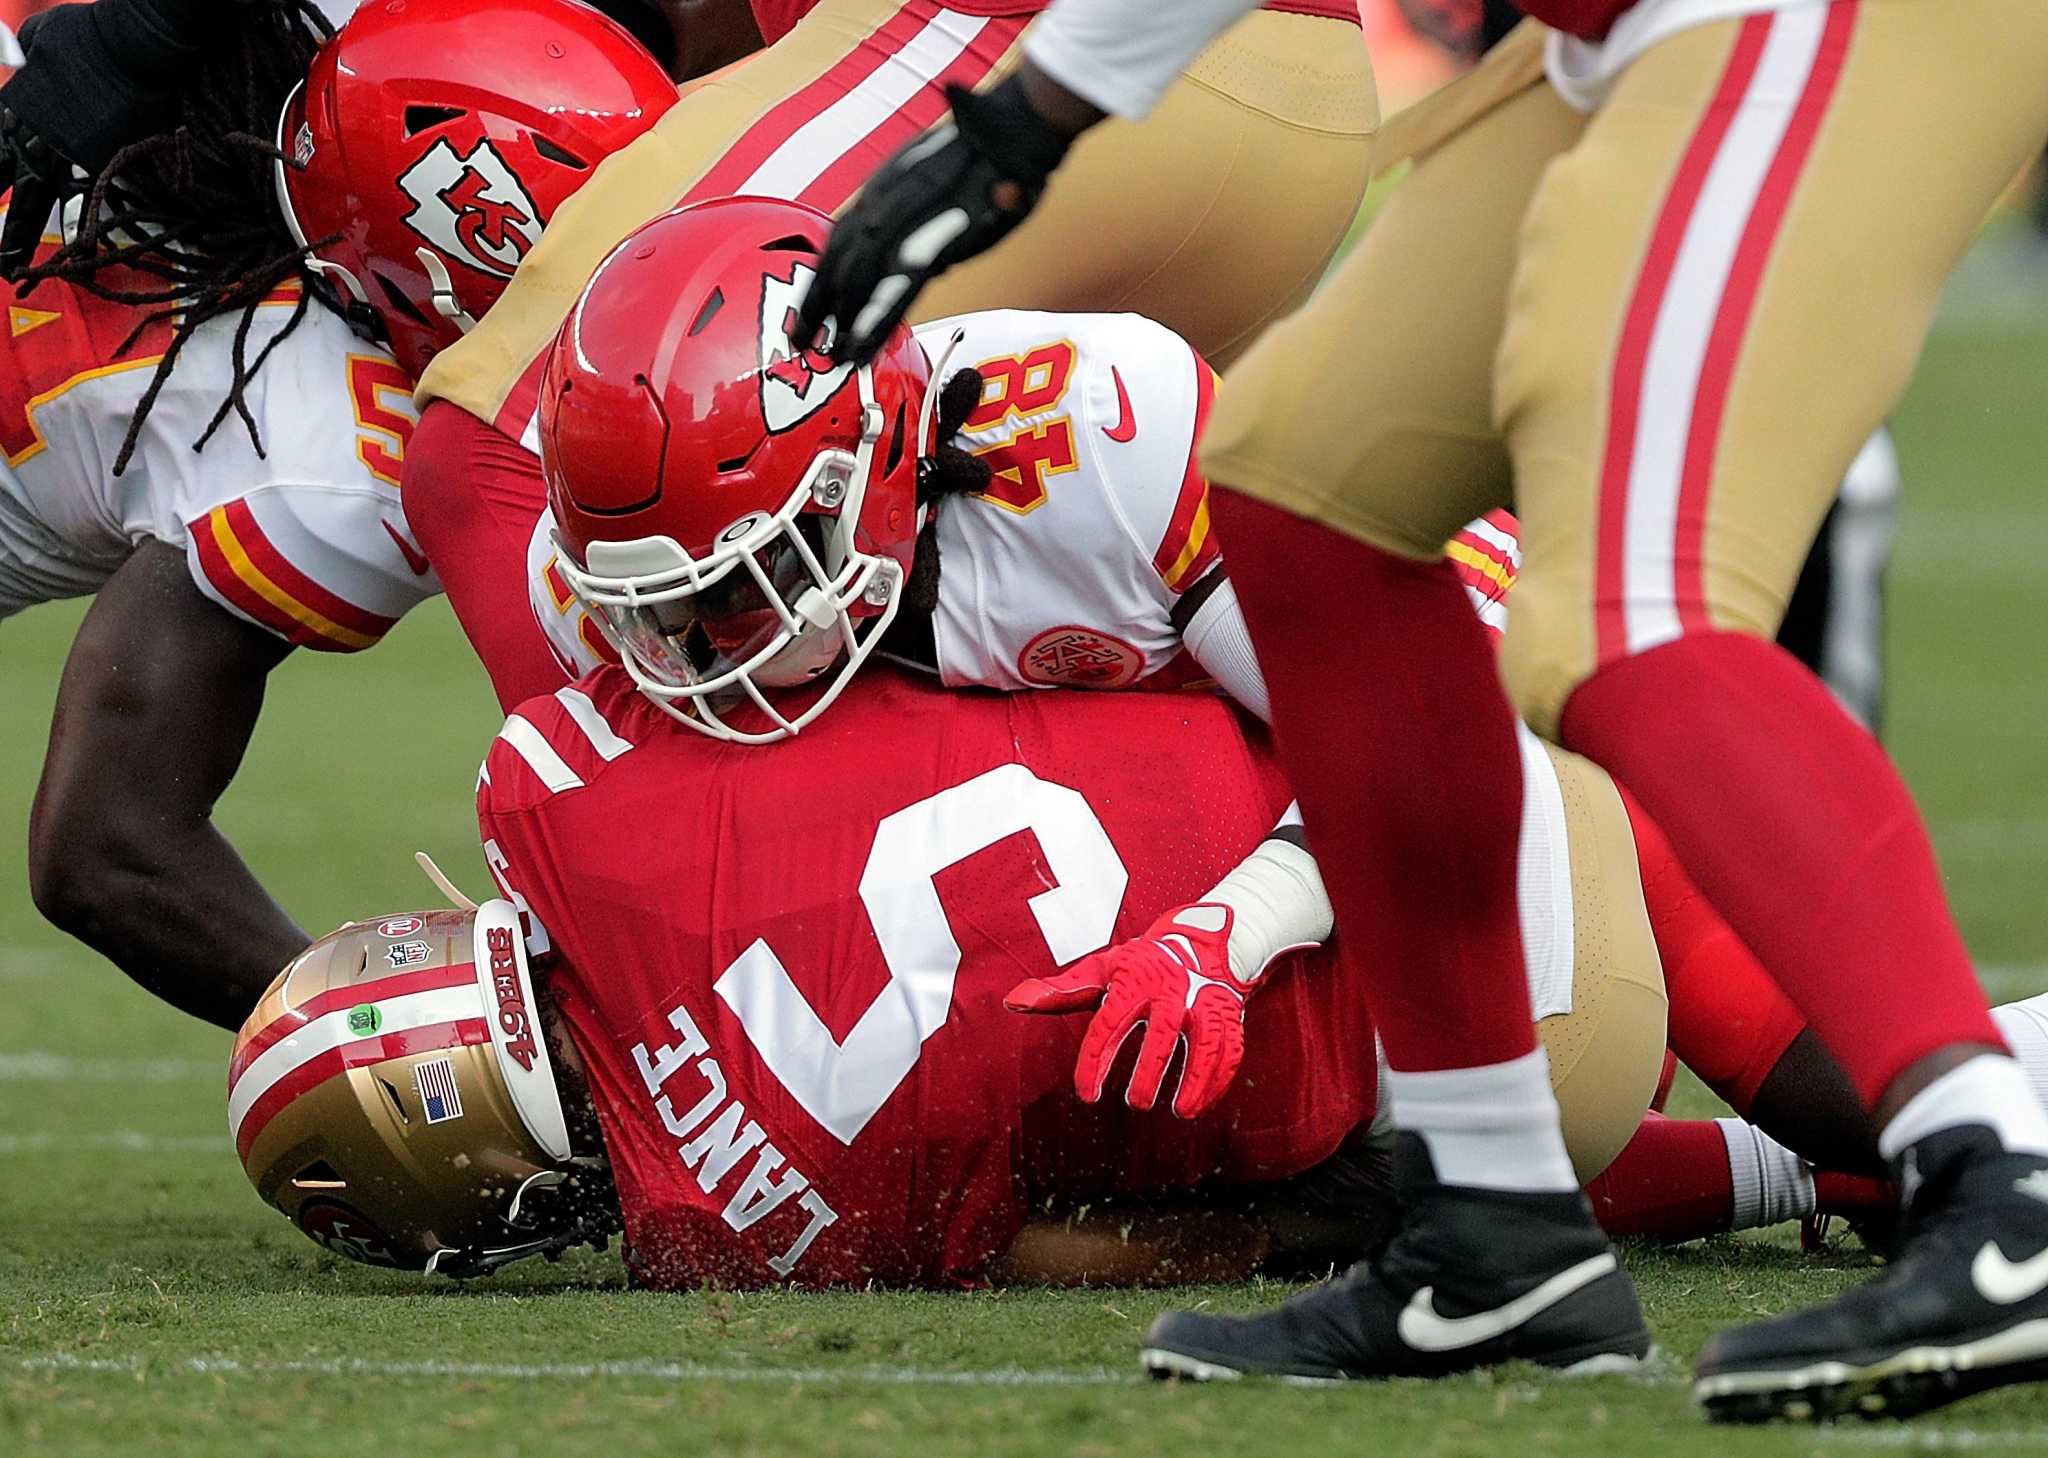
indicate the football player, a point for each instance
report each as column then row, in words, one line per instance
column 284, row 529
column 791, row 1030
column 194, row 441
column 1166, row 219
column 1651, row 212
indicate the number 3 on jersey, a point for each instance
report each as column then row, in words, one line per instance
column 844, row 1085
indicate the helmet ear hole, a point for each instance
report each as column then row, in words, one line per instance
column 395, row 297
column 555, row 152
column 895, row 457
column 424, row 118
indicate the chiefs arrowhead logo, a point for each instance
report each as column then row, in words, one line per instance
column 1078, row 657
column 474, row 208
column 795, row 383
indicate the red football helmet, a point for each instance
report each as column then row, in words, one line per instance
column 433, row 139
column 737, row 514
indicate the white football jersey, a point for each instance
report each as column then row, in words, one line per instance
column 1066, row 571
column 305, row 538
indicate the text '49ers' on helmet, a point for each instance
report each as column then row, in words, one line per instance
column 738, row 515
column 394, row 1096
column 432, row 141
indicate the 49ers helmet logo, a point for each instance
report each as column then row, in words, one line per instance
column 795, row 383
column 471, row 208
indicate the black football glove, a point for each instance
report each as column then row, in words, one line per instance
column 96, row 78
column 932, row 205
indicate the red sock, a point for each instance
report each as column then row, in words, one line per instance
column 1797, row 828
column 1853, row 1197
column 1670, row 1182
column 471, row 498
column 1394, row 731
column 1729, row 1021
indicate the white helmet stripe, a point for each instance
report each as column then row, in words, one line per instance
column 331, row 1031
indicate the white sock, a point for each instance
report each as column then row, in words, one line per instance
column 1991, row 1089
column 2025, row 1025
column 1494, row 1127
column 1772, row 1184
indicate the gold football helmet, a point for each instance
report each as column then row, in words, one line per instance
column 393, row 1095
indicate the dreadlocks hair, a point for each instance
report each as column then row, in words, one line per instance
column 947, row 471
column 187, row 220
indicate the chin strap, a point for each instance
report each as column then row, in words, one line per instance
column 444, row 290
column 441, row 882
column 928, row 409
column 465, row 1262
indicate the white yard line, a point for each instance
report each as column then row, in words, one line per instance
column 644, row 1371
column 63, row 1068
column 126, row 1141
column 37, row 961
column 1932, row 1439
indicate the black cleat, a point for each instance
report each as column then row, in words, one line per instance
column 1473, row 1278
column 1963, row 1309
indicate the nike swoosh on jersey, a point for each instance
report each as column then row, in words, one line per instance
column 414, row 557
column 2003, row 1282
column 1126, row 426
column 1422, row 1328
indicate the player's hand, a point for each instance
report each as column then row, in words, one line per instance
column 75, row 102
column 952, row 193
column 1175, row 979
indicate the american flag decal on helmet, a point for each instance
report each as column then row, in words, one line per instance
column 438, row 1092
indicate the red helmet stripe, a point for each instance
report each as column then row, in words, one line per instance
column 323, row 1066
column 283, row 1026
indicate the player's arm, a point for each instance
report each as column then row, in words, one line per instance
column 156, row 706
column 959, row 189
column 94, row 80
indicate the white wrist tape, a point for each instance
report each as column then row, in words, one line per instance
column 1277, row 903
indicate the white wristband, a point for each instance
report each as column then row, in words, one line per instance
column 1277, row 905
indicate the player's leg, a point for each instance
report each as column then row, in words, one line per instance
column 1669, row 1184
column 1680, row 1179
column 1215, row 215
column 1673, row 459
column 1392, row 726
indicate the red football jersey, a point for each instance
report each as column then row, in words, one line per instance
column 784, row 966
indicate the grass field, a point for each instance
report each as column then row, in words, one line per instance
column 149, row 1303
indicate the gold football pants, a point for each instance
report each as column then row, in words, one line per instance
column 1661, row 331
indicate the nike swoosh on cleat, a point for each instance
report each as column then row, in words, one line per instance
column 414, row 557
column 2004, row 1282
column 1422, row 1328
column 1126, row 427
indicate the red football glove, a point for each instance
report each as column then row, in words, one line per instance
column 1176, row 980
